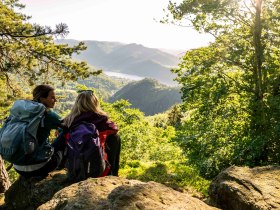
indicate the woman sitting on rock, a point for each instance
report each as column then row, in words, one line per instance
column 46, row 157
column 87, row 109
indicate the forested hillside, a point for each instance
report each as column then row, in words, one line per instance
column 149, row 96
column 103, row 86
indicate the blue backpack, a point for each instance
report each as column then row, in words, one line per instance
column 18, row 134
column 85, row 155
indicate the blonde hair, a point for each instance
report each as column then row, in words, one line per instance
column 86, row 101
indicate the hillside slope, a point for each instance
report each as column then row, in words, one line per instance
column 149, row 96
column 131, row 59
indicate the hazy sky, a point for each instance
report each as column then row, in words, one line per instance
column 126, row 21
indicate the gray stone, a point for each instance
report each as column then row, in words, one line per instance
column 28, row 194
column 242, row 188
column 122, row 194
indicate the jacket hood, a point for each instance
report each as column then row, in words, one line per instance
column 91, row 117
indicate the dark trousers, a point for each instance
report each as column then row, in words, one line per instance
column 44, row 171
column 113, row 149
column 59, row 147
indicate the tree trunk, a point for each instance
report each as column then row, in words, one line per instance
column 4, row 178
column 260, row 123
column 258, row 74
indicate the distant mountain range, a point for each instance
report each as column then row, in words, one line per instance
column 131, row 59
column 149, row 96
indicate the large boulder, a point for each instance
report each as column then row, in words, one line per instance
column 241, row 188
column 28, row 194
column 54, row 192
column 122, row 194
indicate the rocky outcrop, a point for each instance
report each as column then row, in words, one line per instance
column 236, row 188
column 121, row 194
column 29, row 194
column 241, row 188
column 54, row 192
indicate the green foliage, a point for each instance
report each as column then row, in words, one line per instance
column 66, row 99
column 7, row 98
column 230, row 89
column 28, row 52
column 172, row 117
column 148, row 152
column 173, row 174
column 13, row 175
column 159, row 120
column 141, row 140
column 215, row 133
column 104, row 85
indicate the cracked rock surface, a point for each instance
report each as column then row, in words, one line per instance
column 242, row 188
column 122, row 194
column 53, row 192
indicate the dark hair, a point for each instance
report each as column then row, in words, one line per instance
column 41, row 91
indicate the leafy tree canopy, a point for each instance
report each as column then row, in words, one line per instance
column 28, row 53
column 230, row 89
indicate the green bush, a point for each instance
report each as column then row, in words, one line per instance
column 170, row 173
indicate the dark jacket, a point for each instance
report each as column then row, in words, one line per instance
column 100, row 121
